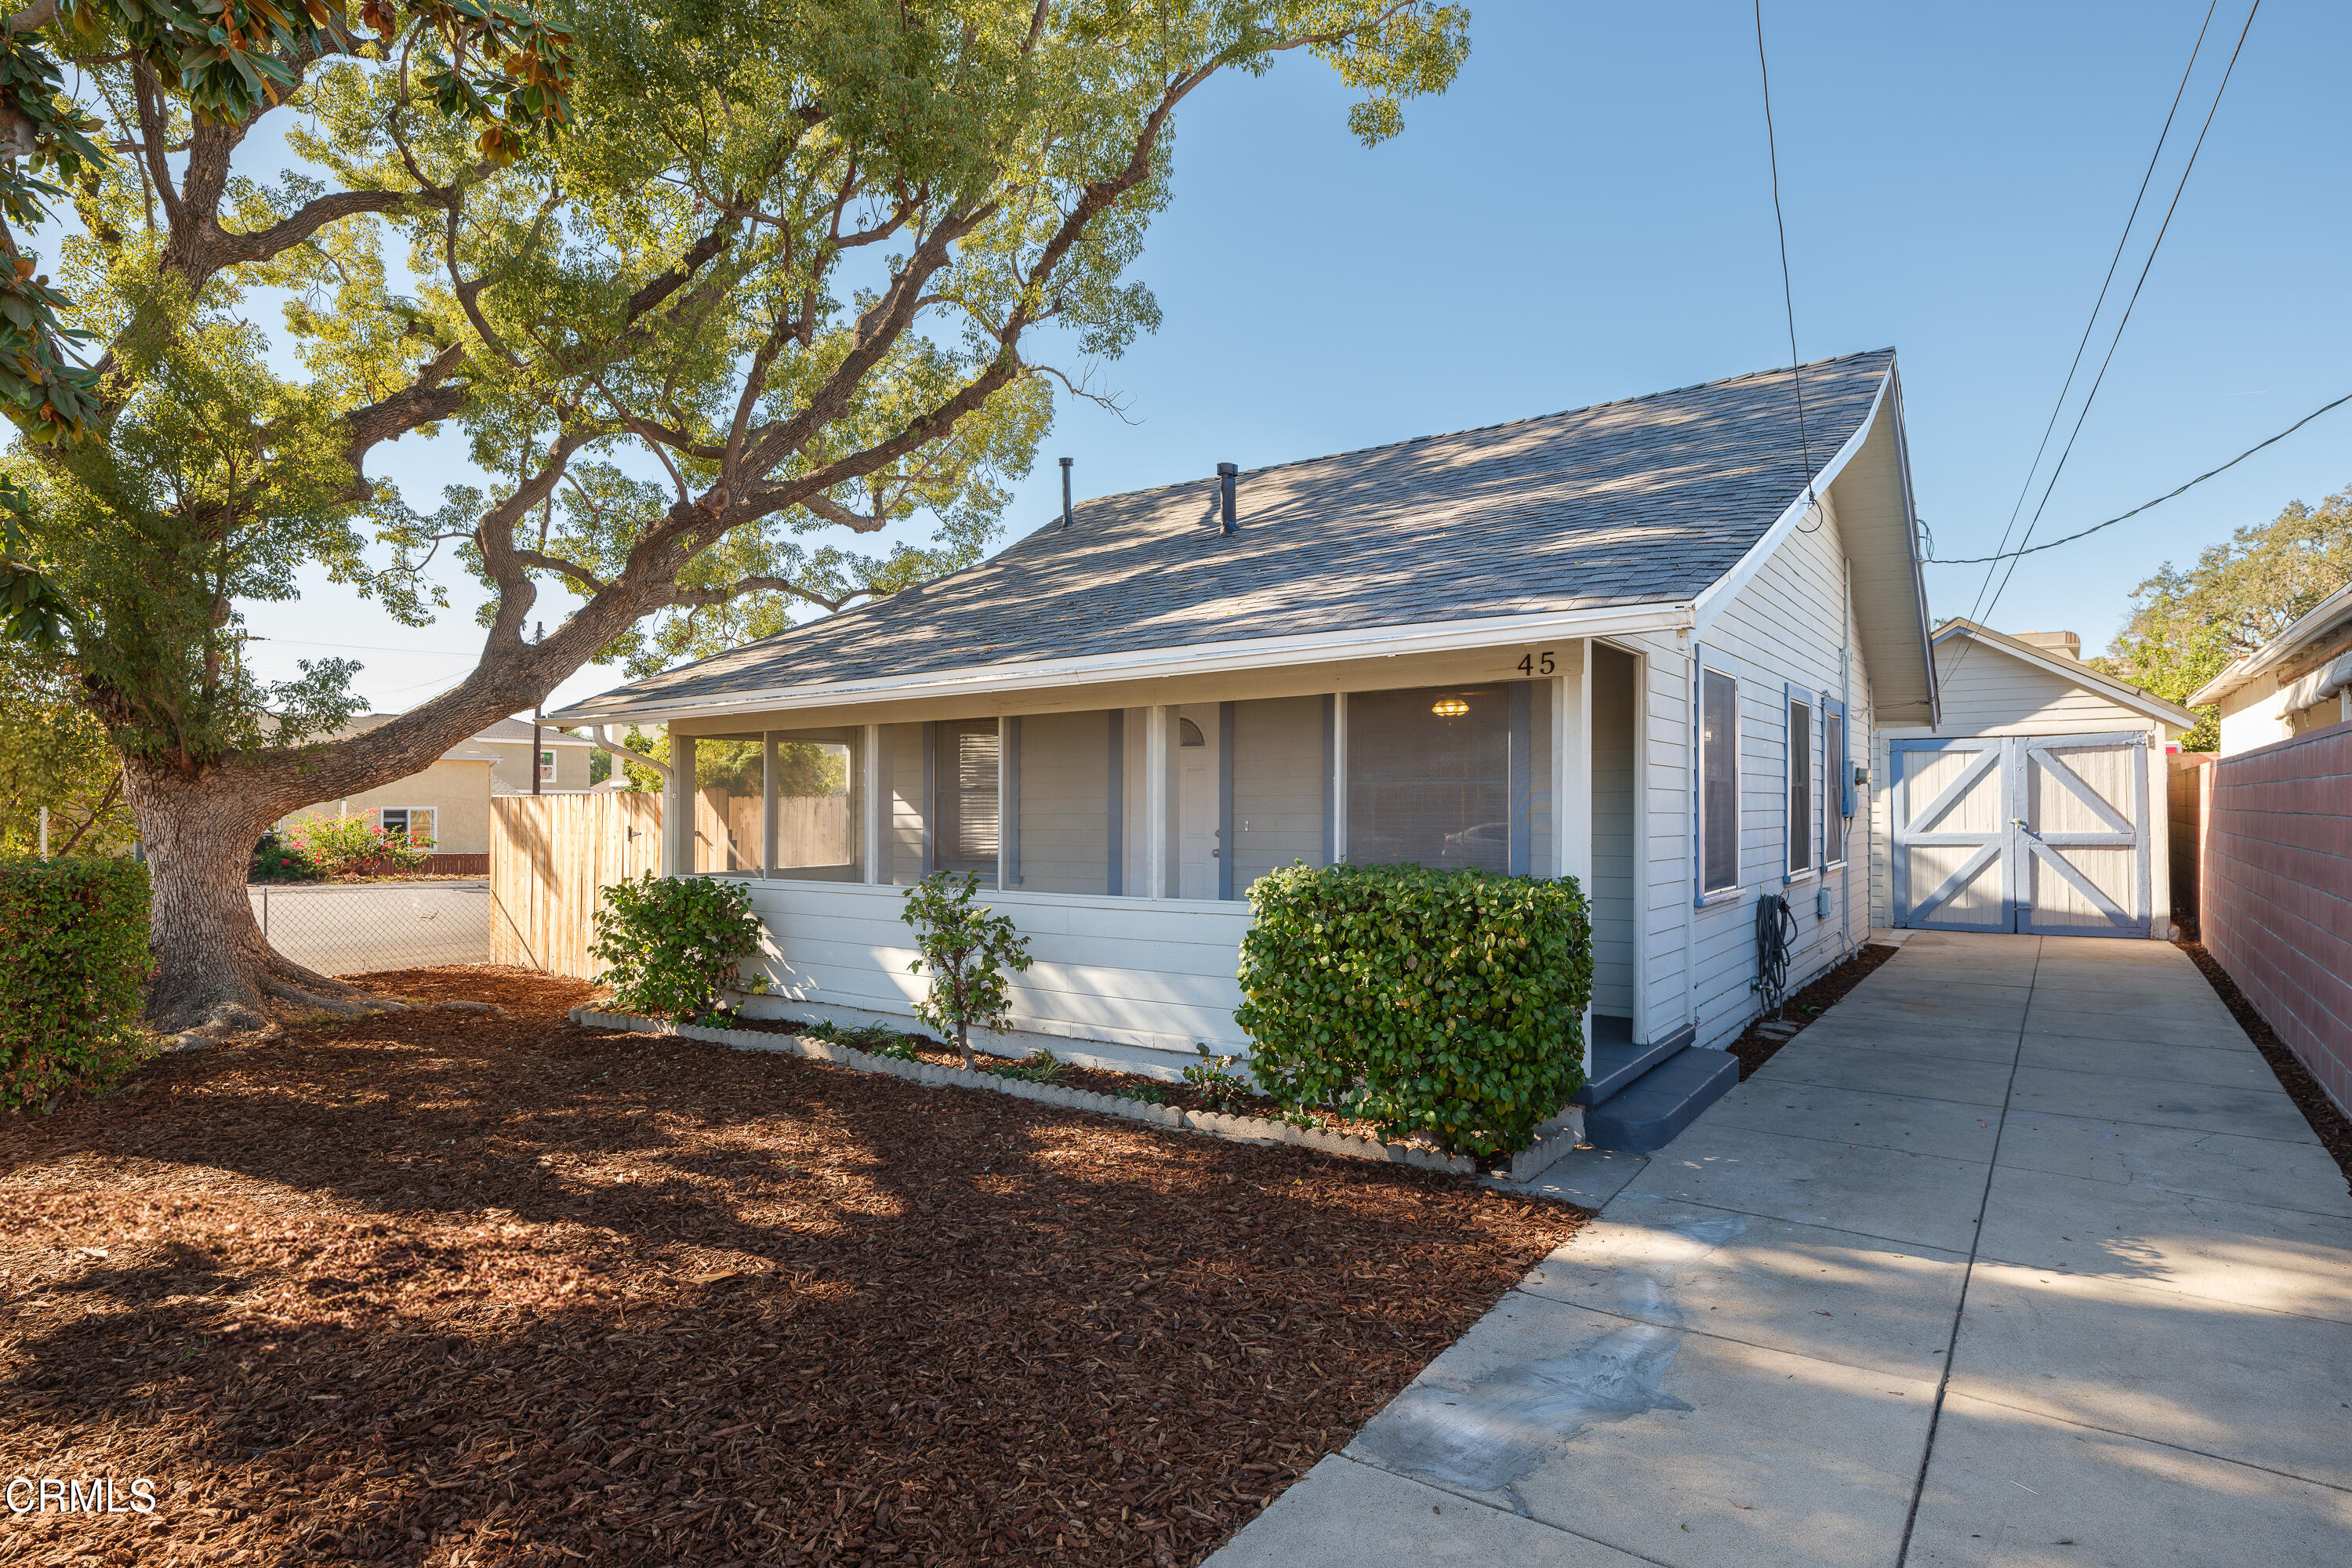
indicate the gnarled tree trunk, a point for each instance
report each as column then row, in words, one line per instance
column 212, row 966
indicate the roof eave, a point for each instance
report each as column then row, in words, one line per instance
column 1154, row 663
column 2319, row 620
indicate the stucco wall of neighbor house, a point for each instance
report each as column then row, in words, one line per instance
column 2274, row 901
column 1788, row 626
column 1986, row 691
column 512, row 775
column 456, row 789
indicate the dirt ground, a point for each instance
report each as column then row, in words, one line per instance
column 462, row 1289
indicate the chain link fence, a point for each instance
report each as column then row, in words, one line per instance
column 365, row 927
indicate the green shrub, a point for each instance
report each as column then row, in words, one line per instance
column 670, row 945
column 968, row 949
column 1444, row 1002
column 76, row 936
column 1215, row 1082
column 276, row 860
column 1039, row 1066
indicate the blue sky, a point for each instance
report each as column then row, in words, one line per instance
column 1587, row 216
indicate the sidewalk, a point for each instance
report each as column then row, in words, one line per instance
column 2020, row 1256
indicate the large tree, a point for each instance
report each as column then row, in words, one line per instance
column 701, row 283
column 2187, row 625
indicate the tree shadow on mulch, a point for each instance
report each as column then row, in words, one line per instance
column 443, row 1287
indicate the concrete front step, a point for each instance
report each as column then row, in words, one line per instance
column 1648, row 1113
column 1617, row 1061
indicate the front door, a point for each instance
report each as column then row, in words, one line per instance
column 1196, row 753
column 2045, row 834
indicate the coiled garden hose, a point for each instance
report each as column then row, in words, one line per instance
column 1776, row 933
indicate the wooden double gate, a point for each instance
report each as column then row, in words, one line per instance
column 2046, row 835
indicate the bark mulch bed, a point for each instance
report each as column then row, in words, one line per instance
column 1755, row 1047
column 460, row 1288
column 2332, row 1126
column 1238, row 1099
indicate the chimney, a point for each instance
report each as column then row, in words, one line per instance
column 1225, row 472
column 2065, row 644
column 1065, row 493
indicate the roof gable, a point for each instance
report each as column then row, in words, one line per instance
column 2041, row 660
column 1643, row 502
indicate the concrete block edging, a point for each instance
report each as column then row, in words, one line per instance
column 1234, row 1129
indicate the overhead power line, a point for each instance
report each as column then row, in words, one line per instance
column 2085, row 533
column 2115, row 261
column 2141, row 283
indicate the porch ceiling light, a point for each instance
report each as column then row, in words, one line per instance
column 1449, row 708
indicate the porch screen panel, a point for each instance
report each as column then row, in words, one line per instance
column 1280, row 795
column 819, row 806
column 728, row 771
column 907, row 808
column 964, row 796
column 1429, row 777
column 1065, row 802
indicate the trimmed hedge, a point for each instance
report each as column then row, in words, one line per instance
column 1445, row 1002
column 670, row 945
column 76, row 936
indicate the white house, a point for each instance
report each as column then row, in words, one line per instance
column 1644, row 643
column 2301, row 680
column 2036, row 805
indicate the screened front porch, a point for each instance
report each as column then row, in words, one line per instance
column 1122, row 841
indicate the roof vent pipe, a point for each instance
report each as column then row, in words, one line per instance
column 1225, row 473
column 1065, row 493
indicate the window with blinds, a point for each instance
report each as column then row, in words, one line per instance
column 967, row 805
column 1718, row 753
column 1429, row 777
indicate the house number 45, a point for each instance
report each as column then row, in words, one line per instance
column 1536, row 663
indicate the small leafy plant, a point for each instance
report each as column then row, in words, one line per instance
column 1214, row 1082
column 670, row 945
column 276, row 860
column 875, row 1039
column 971, row 952
column 1144, row 1093
column 1038, row 1066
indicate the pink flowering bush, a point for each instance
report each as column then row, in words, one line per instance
column 356, row 846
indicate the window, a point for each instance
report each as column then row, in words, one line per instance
column 1800, row 773
column 415, row 822
column 547, row 767
column 967, row 805
column 1718, row 767
column 1837, row 782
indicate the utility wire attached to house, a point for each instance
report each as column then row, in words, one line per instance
column 1788, row 296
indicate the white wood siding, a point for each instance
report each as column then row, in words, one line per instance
column 1790, row 625
column 1157, row 974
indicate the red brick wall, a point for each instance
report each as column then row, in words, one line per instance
column 2275, row 891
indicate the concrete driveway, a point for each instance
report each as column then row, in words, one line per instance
column 2020, row 1256
column 369, row 926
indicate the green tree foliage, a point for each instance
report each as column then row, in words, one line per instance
column 715, row 292
column 76, row 934
column 642, row 780
column 670, row 945
column 2187, row 626
column 971, row 951
column 1450, row 1002
column 54, row 753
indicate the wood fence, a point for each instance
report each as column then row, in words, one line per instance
column 552, row 858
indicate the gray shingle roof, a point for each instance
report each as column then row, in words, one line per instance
column 1645, row 500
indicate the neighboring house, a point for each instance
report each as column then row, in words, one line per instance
column 449, row 802
column 2298, row 681
column 1503, row 647
column 2036, row 804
